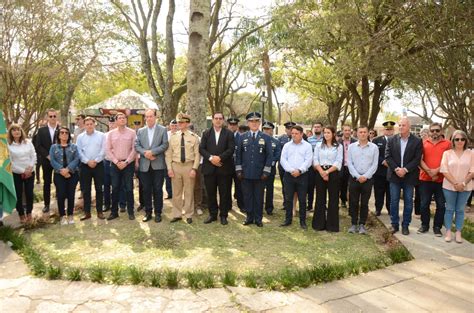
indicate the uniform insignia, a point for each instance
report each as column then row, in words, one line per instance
column 261, row 141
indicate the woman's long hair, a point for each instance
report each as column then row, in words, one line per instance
column 334, row 142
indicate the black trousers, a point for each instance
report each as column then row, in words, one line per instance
column 87, row 175
column 417, row 201
column 47, row 180
column 428, row 189
column 327, row 217
column 238, row 195
column 281, row 171
column 152, row 192
column 269, row 188
column 65, row 190
column 382, row 193
column 359, row 195
column 27, row 186
column 300, row 186
column 311, row 185
column 345, row 175
column 223, row 183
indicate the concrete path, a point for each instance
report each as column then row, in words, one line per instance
column 441, row 278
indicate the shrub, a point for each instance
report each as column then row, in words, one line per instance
column 97, row 274
column 137, row 276
column 53, row 272
column 229, row 278
column 250, row 280
column 74, row 274
column 155, row 278
column 171, row 278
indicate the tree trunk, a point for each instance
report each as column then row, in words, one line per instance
column 268, row 83
column 198, row 60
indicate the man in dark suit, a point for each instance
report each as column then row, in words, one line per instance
column 381, row 184
column 46, row 137
column 346, row 140
column 217, row 149
column 151, row 144
column 403, row 155
column 233, row 125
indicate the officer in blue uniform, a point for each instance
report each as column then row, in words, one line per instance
column 268, row 128
column 381, row 184
column 253, row 164
column 283, row 139
column 233, row 125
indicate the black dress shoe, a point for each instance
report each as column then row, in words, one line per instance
column 131, row 217
column 112, row 217
column 285, row 224
column 437, row 232
column 259, row 224
column 422, row 230
column 210, row 219
column 46, row 209
column 247, row 222
column 122, row 209
column 175, row 219
column 405, row 231
column 189, row 220
column 140, row 207
column 393, row 229
column 146, row 218
column 224, row 220
column 106, row 208
column 303, row 226
column 157, row 218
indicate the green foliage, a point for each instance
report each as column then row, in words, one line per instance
column 155, row 278
column 468, row 231
column 250, row 280
column 97, row 273
column 53, row 272
column 117, row 275
column 229, row 278
column 399, row 254
column 194, row 279
column 171, row 278
column 74, row 274
column 136, row 275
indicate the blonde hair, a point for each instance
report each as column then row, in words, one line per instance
column 463, row 135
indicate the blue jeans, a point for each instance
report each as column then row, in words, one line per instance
column 455, row 203
column 152, row 182
column 395, row 189
column 427, row 190
column 122, row 179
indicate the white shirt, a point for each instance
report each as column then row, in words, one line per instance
column 403, row 146
column 22, row 155
column 52, row 130
column 217, row 134
column 362, row 160
column 151, row 132
column 91, row 147
column 296, row 156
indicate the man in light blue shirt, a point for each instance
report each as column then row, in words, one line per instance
column 91, row 147
column 362, row 161
column 296, row 159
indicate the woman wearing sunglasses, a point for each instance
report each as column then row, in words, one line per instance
column 457, row 166
column 65, row 162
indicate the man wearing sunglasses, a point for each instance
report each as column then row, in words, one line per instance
column 431, row 180
column 46, row 137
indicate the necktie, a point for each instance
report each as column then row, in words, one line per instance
column 253, row 136
column 183, row 154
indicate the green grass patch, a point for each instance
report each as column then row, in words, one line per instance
column 229, row 278
column 468, row 231
column 53, row 272
column 97, row 273
column 171, row 278
column 399, row 254
column 136, row 275
column 74, row 274
column 155, row 278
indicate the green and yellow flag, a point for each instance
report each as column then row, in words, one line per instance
column 7, row 188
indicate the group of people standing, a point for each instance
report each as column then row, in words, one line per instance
column 341, row 170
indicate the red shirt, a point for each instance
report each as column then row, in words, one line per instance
column 432, row 155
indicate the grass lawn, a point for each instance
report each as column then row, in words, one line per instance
column 242, row 250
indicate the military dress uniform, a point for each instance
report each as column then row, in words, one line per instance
column 269, row 183
column 238, row 195
column 253, row 163
column 183, row 156
column 381, row 184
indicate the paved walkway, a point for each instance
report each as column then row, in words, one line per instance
column 441, row 278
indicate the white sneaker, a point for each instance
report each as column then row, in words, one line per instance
column 71, row 220
column 64, row 220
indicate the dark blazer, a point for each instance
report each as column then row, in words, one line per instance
column 381, row 143
column 224, row 149
column 411, row 159
column 341, row 142
column 44, row 143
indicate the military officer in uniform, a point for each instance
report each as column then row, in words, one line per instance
column 182, row 162
column 283, row 139
column 233, row 125
column 268, row 128
column 253, row 164
column 381, row 184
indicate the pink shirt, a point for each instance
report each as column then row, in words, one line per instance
column 120, row 145
column 457, row 167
